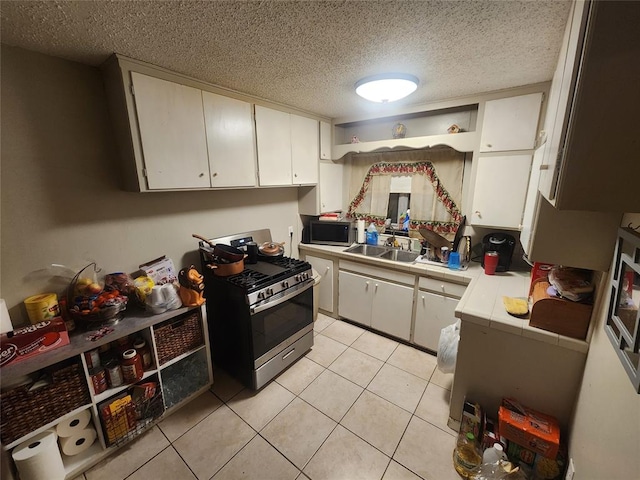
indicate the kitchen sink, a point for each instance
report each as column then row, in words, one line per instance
column 400, row 256
column 387, row 253
column 368, row 250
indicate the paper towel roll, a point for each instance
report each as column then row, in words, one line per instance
column 73, row 425
column 39, row 458
column 78, row 443
column 361, row 231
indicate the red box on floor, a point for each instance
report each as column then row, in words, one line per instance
column 26, row 342
column 536, row 431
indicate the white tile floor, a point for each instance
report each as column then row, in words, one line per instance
column 357, row 406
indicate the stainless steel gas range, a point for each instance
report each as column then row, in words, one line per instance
column 260, row 320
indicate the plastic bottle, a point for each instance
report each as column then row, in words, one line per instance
column 494, row 454
column 467, row 457
column 372, row 235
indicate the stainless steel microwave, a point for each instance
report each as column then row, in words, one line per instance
column 331, row 232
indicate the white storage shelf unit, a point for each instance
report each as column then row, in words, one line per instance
column 179, row 379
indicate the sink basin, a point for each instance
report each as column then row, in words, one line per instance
column 368, row 250
column 399, row 256
column 383, row 252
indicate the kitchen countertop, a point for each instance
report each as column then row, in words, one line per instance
column 481, row 303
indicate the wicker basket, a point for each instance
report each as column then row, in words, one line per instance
column 24, row 411
column 178, row 336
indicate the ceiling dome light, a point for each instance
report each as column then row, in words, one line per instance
column 386, row 87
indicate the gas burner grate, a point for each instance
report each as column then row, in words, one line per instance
column 247, row 278
column 287, row 262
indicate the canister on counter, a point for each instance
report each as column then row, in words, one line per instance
column 98, row 379
column 114, row 373
column 42, row 307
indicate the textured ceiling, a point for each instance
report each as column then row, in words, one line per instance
column 307, row 54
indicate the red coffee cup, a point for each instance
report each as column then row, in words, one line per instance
column 490, row 262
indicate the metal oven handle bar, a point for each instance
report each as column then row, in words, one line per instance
column 282, row 299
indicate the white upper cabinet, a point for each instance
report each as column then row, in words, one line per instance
column 230, row 141
column 172, row 133
column 499, row 194
column 304, row 150
column 273, row 136
column 325, row 141
column 287, row 148
column 591, row 155
column 510, row 123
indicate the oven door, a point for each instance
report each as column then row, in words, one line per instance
column 280, row 322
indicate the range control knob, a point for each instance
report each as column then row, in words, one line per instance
column 261, row 295
column 285, row 284
column 269, row 291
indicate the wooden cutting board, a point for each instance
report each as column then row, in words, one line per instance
column 434, row 238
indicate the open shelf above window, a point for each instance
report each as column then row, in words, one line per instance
column 419, row 130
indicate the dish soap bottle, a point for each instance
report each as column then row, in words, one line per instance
column 372, row 235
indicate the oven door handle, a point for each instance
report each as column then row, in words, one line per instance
column 283, row 299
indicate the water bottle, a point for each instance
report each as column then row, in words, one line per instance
column 494, row 454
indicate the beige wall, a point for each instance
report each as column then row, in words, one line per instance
column 60, row 200
column 605, row 437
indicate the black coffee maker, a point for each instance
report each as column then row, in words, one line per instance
column 502, row 243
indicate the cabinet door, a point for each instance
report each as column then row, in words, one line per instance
column 172, row 133
column 273, row 137
column 433, row 313
column 355, row 296
column 392, row 307
column 331, row 177
column 325, row 141
column 230, row 141
column 528, row 216
column 304, row 150
column 324, row 267
column 563, row 84
column 500, row 189
column 510, row 123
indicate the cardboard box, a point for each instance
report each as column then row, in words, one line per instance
column 542, row 468
column 535, row 431
column 161, row 271
column 472, row 419
column 29, row 341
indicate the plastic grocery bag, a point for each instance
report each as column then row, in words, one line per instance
column 448, row 347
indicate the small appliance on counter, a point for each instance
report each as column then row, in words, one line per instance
column 503, row 244
column 335, row 232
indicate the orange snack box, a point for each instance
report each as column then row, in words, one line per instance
column 533, row 430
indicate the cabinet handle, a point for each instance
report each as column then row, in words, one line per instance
column 477, row 212
column 422, row 297
column 201, row 175
column 544, row 167
column 215, row 174
column 489, row 145
column 328, row 268
column 442, row 287
column 295, row 175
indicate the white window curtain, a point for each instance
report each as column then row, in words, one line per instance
column 436, row 187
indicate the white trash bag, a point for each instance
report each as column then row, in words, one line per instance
column 448, row 347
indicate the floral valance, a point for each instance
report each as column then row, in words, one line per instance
column 431, row 204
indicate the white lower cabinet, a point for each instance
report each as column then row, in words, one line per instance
column 324, row 267
column 379, row 304
column 435, row 310
column 355, row 297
